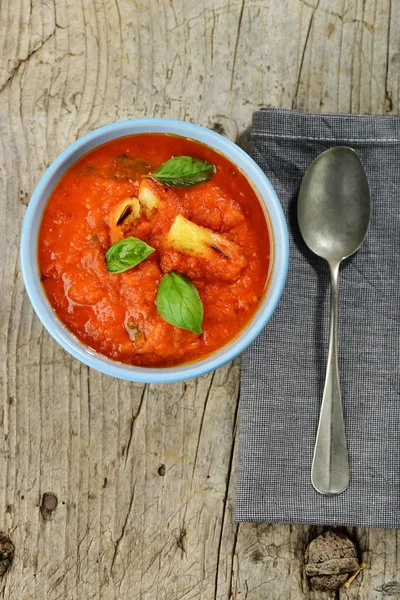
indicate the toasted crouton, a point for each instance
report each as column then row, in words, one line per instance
column 200, row 252
column 189, row 238
column 149, row 195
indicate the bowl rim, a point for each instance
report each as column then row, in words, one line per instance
column 72, row 344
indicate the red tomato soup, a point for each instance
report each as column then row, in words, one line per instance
column 221, row 245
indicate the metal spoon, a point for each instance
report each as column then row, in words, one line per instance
column 333, row 213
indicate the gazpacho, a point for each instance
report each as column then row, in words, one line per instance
column 154, row 250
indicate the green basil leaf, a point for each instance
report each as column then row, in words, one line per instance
column 184, row 171
column 127, row 253
column 178, row 302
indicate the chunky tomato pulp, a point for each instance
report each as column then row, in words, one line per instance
column 116, row 313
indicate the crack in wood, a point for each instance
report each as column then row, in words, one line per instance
column 235, row 541
column 226, row 496
column 388, row 93
column 133, row 421
column 119, row 540
column 201, row 424
column 294, row 101
column 181, row 539
column 212, row 36
column 88, row 399
column 22, row 61
column 239, row 26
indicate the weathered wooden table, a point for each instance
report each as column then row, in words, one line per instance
column 145, row 475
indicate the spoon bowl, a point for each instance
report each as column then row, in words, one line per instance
column 333, row 213
column 334, row 204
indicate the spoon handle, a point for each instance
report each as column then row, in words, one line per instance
column 330, row 468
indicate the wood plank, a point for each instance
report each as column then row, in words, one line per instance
column 145, row 475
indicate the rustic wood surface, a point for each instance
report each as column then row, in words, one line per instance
column 145, row 475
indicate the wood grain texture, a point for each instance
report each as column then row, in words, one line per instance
column 145, row 475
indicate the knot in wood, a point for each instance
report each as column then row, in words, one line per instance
column 329, row 560
column 6, row 553
column 49, row 504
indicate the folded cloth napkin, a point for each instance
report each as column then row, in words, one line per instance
column 283, row 372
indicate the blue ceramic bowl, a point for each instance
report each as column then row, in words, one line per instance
column 29, row 241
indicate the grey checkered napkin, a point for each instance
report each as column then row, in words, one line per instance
column 284, row 369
